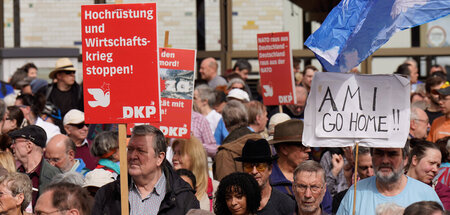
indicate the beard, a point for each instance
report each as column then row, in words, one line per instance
column 392, row 177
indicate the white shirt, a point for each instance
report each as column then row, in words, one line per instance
column 49, row 128
column 213, row 118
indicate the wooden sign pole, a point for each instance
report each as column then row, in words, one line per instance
column 356, row 177
column 123, row 168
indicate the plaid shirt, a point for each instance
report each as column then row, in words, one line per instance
column 200, row 128
column 151, row 203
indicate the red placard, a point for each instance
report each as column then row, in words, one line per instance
column 275, row 68
column 120, row 63
column 177, row 68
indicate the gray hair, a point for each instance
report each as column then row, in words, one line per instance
column 18, row 183
column 69, row 177
column 234, row 115
column 234, row 81
column 362, row 150
column 206, row 93
column 159, row 144
column 309, row 166
column 104, row 142
column 389, row 208
column 414, row 113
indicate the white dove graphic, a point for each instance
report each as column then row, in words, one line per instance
column 101, row 98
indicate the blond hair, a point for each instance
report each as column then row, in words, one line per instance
column 7, row 161
column 199, row 165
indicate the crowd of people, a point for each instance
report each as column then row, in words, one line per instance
column 242, row 157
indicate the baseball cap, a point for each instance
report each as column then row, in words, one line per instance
column 238, row 94
column 74, row 116
column 33, row 133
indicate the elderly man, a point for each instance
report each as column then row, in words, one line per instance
column 389, row 184
column 28, row 149
column 257, row 161
column 77, row 131
column 154, row 187
column 65, row 93
column 208, row 72
column 204, row 99
column 295, row 111
column 64, row 197
column 288, row 144
column 60, row 152
column 309, row 188
column 257, row 116
column 235, row 117
column 418, row 126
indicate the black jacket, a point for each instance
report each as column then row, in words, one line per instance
column 179, row 198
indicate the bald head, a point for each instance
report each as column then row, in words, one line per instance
column 301, row 94
column 208, row 69
column 60, row 152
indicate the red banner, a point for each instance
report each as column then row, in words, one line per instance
column 275, row 68
column 120, row 63
column 177, row 68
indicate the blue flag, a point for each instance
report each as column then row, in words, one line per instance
column 355, row 29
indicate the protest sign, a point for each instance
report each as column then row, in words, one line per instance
column 346, row 108
column 177, row 68
column 275, row 68
column 120, row 63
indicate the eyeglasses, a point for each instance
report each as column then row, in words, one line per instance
column 260, row 167
column 19, row 141
column 314, row 188
column 22, row 106
column 46, row 213
column 80, row 125
column 422, row 120
column 52, row 160
column 68, row 72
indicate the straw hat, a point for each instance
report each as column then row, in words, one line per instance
column 62, row 64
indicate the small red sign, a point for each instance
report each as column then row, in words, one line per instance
column 120, row 63
column 177, row 68
column 275, row 68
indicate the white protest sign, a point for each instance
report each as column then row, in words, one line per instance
column 344, row 108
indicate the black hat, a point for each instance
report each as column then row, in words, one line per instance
column 33, row 133
column 256, row 151
column 445, row 90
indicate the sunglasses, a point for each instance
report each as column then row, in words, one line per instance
column 260, row 167
column 68, row 72
column 80, row 126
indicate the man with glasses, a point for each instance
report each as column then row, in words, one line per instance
column 389, row 184
column 418, row 126
column 441, row 125
column 257, row 161
column 60, row 152
column 309, row 188
column 77, row 131
column 65, row 93
column 295, row 111
column 28, row 149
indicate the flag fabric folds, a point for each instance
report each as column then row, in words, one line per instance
column 354, row 29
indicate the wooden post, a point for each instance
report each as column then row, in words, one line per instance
column 166, row 39
column 123, row 168
column 356, row 177
column 280, row 107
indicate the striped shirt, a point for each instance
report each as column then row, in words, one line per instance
column 151, row 203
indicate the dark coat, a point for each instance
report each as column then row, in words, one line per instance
column 179, row 198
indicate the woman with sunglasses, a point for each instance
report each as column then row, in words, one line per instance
column 238, row 193
column 31, row 107
column 189, row 154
